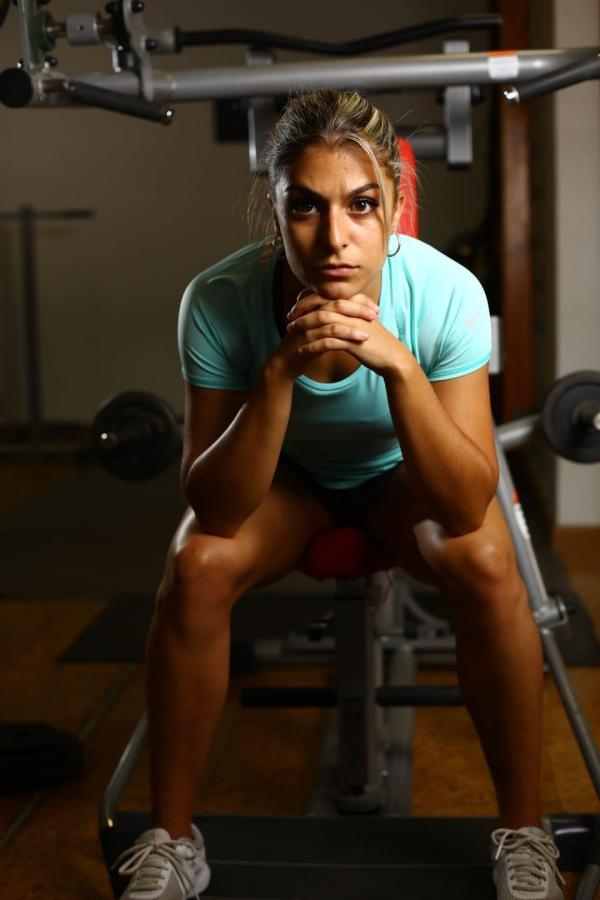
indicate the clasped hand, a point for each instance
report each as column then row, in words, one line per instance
column 351, row 325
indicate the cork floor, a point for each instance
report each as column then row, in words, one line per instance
column 263, row 761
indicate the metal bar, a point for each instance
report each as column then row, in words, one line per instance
column 50, row 215
column 355, row 666
column 32, row 343
column 428, row 142
column 27, row 217
column 513, row 434
column 372, row 43
column 309, row 696
column 64, row 448
column 399, row 729
column 573, row 709
column 538, row 599
column 589, row 883
column 517, row 524
column 419, row 72
column 419, row 695
column 20, row 820
column 121, row 774
column 86, row 729
column 25, row 9
column 288, row 697
column 555, row 81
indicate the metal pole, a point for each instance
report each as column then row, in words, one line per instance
column 389, row 73
column 121, row 774
column 34, row 391
column 538, row 599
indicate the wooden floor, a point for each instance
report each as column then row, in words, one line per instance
column 262, row 761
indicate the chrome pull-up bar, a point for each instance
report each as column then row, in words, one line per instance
column 391, row 73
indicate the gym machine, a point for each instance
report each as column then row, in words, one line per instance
column 364, row 855
column 136, row 88
column 36, row 439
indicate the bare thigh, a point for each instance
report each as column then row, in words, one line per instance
column 272, row 541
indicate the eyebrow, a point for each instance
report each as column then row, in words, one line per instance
column 306, row 190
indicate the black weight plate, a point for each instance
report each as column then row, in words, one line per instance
column 16, row 88
column 35, row 756
column 558, row 418
column 156, row 445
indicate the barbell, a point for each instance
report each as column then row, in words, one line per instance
column 136, row 435
column 570, row 417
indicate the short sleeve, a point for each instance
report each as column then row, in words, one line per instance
column 207, row 333
column 465, row 344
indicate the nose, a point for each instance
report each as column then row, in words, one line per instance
column 333, row 229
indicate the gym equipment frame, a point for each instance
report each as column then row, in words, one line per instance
column 136, row 88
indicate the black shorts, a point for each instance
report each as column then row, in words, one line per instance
column 347, row 506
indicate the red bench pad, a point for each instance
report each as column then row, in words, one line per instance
column 343, row 553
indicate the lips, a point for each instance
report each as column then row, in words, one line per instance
column 336, row 269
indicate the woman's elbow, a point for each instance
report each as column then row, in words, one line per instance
column 471, row 516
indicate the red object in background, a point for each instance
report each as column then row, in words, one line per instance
column 409, row 218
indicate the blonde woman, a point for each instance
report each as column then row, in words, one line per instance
column 337, row 374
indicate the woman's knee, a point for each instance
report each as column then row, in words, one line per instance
column 199, row 586
column 479, row 564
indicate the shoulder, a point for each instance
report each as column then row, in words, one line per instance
column 427, row 269
column 235, row 276
column 447, row 311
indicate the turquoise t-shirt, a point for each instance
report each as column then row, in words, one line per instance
column 341, row 432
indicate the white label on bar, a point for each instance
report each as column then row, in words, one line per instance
column 503, row 66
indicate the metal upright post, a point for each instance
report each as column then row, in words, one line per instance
column 27, row 218
column 545, row 616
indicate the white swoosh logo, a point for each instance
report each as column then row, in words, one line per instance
column 470, row 322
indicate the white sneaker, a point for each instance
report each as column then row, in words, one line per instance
column 525, row 864
column 164, row 869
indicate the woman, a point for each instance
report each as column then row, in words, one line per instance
column 338, row 374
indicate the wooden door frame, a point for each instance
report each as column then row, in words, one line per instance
column 516, row 238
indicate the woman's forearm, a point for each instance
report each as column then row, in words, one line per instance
column 447, row 471
column 230, row 479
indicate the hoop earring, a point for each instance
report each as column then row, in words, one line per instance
column 397, row 250
column 276, row 243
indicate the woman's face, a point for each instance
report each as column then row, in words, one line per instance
column 329, row 212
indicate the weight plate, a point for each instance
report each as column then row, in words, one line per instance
column 561, row 417
column 145, row 431
column 16, row 88
column 35, row 756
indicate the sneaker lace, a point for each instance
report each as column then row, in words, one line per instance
column 149, row 862
column 527, row 857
